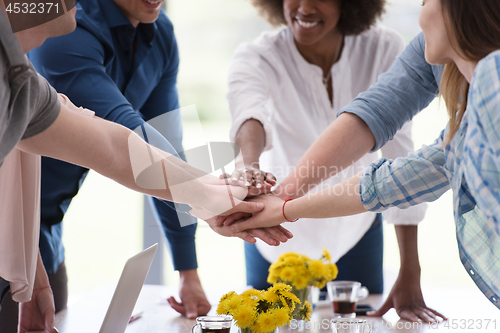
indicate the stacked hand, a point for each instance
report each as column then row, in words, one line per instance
column 255, row 179
column 236, row 205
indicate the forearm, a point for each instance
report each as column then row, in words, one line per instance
column 115, row 152
column 345, row 141
column 408, row 249
column 338, row 200
column 41, row 278
column 250, row 138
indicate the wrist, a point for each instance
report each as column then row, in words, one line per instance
column 189, row 275
column 289, row 213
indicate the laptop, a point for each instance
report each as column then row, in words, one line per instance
column 127, row 291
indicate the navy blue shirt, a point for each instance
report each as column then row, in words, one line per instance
column 99, row 67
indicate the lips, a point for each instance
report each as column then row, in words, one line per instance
column 307, row 24
column 152, row 3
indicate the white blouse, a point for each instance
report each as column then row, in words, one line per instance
column 271, row 82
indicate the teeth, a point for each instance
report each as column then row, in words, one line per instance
column 307, row 24
column 153, row 2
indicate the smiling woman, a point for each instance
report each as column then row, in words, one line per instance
column 285, row 89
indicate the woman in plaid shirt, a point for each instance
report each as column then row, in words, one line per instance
column 463, row 36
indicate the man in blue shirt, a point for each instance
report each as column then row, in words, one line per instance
column 122, row 62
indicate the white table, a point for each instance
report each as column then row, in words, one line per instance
column 467, row 307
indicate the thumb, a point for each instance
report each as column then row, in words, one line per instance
column 383, row 309
column 249, row 207
column 191, row 310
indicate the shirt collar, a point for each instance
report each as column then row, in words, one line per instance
column 305, row 67
column 114, row 16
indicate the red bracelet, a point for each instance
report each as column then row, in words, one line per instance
column 283, row 210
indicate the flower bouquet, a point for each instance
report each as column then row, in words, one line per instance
column 302, row 273
column 262, row 311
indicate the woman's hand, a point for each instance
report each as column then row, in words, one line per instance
column 270, row 216
column 272, row 236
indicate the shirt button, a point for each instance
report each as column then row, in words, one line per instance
column 472, row 272
column 494, row 299
column 17, row 69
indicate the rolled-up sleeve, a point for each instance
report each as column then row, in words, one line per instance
column 401, row 146
column 248, row 92
column 400, row 93
column 406, row 181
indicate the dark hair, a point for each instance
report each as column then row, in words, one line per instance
column 356, row 17
column 474, row 27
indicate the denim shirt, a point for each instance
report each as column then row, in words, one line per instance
column 404, row 90
column 95, row 66
column 469, row 166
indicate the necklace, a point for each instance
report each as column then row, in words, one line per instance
column 335, row 59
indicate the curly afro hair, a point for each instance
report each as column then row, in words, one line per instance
column 356, row 17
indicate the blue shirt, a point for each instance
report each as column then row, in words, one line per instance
column 409, row 86
column 469, row 165
column 95, row 66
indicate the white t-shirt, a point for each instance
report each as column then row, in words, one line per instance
column 270, row 81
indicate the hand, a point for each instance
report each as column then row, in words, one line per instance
column 194, row 302
column 39, row 313
column 257, row 181
column 406, row 298
column 271, row 236
column 270, row 216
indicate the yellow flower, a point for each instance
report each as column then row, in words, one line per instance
column 308, row 310
column 251, row 292
column 317, row 268
column 287, row 274
column 223, row 308
column 334, row 271
column 327, row 255
column 320, row 283
column 270, row 296
column 244, row 316
column 282, row 316
column 228, row 295
column 234, row 302
column 272, row 278
column 300, row 282
column 266, row 322
column 280, row 287
column 291, row 296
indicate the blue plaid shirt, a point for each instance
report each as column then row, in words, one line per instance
column 469, row 165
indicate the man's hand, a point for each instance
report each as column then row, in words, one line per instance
column 39, row 313
column 194, row 302
column 406, row 298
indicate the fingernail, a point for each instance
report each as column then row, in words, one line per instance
column 369, row 313
column 235, row 179
column 259, row 185
column 247, row 183
column 260, row 205
column 55, row 329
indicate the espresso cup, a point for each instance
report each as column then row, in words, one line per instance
column 350, row 325
column 344, row 296
column 212, row 324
